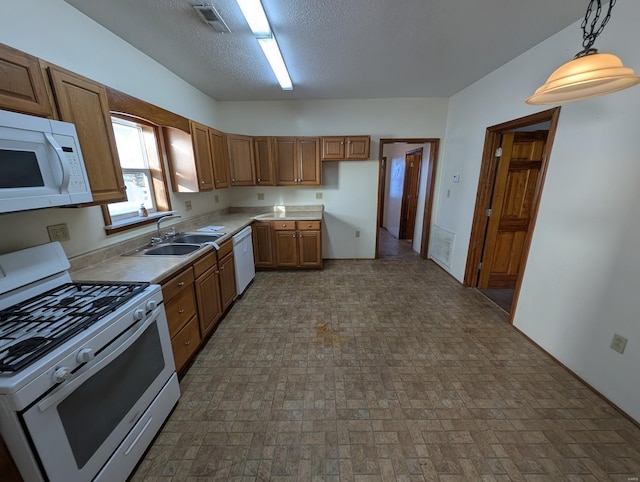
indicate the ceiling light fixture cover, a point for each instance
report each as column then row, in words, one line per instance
column 589, row 74
column 259, row 25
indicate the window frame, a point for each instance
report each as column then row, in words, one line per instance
column 158, row 179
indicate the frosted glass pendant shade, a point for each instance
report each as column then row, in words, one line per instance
column 588, row 76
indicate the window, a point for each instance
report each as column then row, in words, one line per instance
column 143, row 174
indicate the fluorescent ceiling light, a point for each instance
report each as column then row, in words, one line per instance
column 259, row 25
column 273, row 55
column 256, row 18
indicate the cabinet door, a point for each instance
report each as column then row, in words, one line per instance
column 286, row 249
column 286, row 161
column 84, row 103
column 220, row 157
column 309, row 249
column 202, row 155
column 263, row 150
column 262, row 245
column 208, row 298
column 358, row 147
column 227, row 281
column 22, row 85
column 241, row 160
column 332, row 148
column 309, row 161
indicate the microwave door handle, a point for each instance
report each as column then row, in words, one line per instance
column 64, row 164
column 71, row 385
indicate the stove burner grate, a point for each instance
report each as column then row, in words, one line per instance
column 33, row 328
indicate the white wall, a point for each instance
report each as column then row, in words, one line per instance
column 581, row 279
column 350, row 188
column 56, row 32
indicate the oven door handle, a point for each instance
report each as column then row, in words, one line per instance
column 72, row 384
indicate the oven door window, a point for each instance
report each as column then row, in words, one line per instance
column 92, row 412
column 89, row 422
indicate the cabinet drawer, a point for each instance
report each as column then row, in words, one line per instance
column 185, row 343
column 284, row 225
column 172, row 287
column 225, row 248
column 309, row 225
column 204, row 263
column 180, row 309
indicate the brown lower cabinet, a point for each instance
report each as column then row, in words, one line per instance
column 288, row 244
column 8, row 470
column 196, row 299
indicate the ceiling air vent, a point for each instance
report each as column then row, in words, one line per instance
column 211, row 16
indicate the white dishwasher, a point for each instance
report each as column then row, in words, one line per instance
column 243, row 259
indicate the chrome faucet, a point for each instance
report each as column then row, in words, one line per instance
column 162, row 218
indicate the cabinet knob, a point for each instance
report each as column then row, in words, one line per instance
column 259, row 179
column 187, row 343
column 293, row 236
column 308, row 225
column 181, row 283
column 201, row 182
column 124, row 188
column 181, row 311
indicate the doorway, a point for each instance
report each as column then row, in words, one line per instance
column 425, row 186
column 515, row 159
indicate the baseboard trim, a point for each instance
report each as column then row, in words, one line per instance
column 585, row 383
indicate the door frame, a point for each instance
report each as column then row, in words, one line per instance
column 434, row 149
column 485, row 191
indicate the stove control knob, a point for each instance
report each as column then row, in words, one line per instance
column 152, row 305
column 61, row 374
column 85, row 355
column 138, row 314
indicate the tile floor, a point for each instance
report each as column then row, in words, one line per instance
column 382, row 370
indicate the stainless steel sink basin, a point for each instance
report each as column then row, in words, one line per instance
column 172, row 250
column 197, row 238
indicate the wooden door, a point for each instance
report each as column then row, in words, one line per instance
column 227, row 281
column 208, row 298
column 241, row 160
column 413, row 161
column 511, row 208
column 309, row 249
column 202, row 155
column 262, row 245
column 286, row 165
column 84, row 103
column 309, row 161
column 219, row 158
column 286, row 249
column 263, row 151
column 22, row 85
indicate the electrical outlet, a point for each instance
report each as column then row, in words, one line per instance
column 260, row 196
column 357, row 234
column 187, row 205
column 319, row 195
column 216, row 198
column 58, row 232
column 619, row 343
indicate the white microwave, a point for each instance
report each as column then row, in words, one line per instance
column 41, row 164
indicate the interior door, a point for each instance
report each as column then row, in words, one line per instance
column 413, row 161
column 511, row 208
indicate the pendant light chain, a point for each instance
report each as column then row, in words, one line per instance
column 590, row 36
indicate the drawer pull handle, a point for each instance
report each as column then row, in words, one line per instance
column 181, row 311
column 181, row 283
column 308, row 225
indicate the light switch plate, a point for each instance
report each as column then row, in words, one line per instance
column 619, row 343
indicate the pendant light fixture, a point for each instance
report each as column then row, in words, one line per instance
column 589, row 74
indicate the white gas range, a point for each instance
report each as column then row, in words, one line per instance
column 87, row 376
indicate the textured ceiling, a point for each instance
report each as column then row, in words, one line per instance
column 336, row 48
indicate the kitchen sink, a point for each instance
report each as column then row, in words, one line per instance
column 197, row 238
column 172, row 250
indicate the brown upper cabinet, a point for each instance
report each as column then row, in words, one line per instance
column 345, row 148
column 241, row 163
column 84, row 103
column 263, row 149
column 297, row 161
column 197, row 161
column 220, row 158
column 22, row 84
